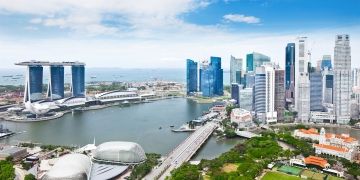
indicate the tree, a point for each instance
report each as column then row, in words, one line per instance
column 7, row 171
column 30, row 177
column 185, row 171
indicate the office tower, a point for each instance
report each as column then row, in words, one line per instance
column 254, row 60
column 249, row 79
column 191, row 76
column 290, row 72
column 356, row 77
column 316, row 90
column 207, row 80
column 78, row 80
column 328, row 86
column 342, row 81
column 218, row 75
column 34, row 83
column 302, row 85
column 280, row 93
column 56, row 82
column 246, row 99
column 235, row 92
column 265, row 94
column 236, row 70
column 326, row 62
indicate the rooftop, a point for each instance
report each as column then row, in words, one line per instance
column 318, row 161
column 330, row 147
column 47, row 63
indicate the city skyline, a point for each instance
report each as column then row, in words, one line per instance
column 116, row 34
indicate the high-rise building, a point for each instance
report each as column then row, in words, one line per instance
column 290, row 72
column 56, row 82
column 235, row 92
column 265, row 94
column 236, row 70
column 326, row 62
column 302, row 85
column 342, row 81
column 207, row 80
column 316, row 91
column 280, row 93
column 78, row 80
column 215, row 62
column 328, row 86
column 34, row 83
column 356, row 77
column 249, row 79
column 246, row 99
column 254, row 60
column 191, row 76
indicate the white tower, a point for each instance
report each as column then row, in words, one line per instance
column 302, row 87
column 322, row 138
column 342, row 78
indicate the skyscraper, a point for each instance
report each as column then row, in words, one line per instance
column 254, row 60
column 78, row 81
column 326, row 62
column 218, row 75
column 328, row 86
column 34, row 82
column 302, row 85
column 342, row 81
column 246, row 99
column 290, row 72
column 280, row 93
column 236, row 70
column 356, row 77
column 207, row 80
column 191, row 76
column 56, row 82
column 316, row 91
column 265, row 94
column 235, row 92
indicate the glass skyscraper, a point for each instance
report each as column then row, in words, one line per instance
column 235, row 92
column 78, row 80
column 191, row 76
column 235, row 70
column 290, row 70
column 211, row 78
column 316, row 91
column 326, row 62
column 254, row 60
column 56, row 84
column 33, row 89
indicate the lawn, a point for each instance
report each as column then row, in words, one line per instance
column 313, row 175
column 230, row 167
column 334, row 178
column 278, row 176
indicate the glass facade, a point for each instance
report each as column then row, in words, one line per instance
column 34, row 84
column 78, row 81
column 235, row 70
column 191, row 76
column 215, row 62
column 207, row 81
column 56, row 82
column 289, row 65
column 235, row 91
column 316, row 95
column 260, row 95
column 254, row 60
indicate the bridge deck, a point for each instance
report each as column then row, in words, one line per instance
column 183, row 152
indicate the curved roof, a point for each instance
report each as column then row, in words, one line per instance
column 120, row 152
column 116, row 93
column 70, row 166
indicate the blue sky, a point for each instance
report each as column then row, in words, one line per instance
column 163, row 33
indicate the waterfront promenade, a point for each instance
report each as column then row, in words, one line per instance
column 183, row 152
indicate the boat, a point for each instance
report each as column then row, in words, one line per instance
column 172, row 126
column 7, row 76
column 93, row 77
column 160, row 127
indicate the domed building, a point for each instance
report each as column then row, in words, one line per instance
column 70, row 166
column 119, row 152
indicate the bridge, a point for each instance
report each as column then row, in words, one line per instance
column 246, row 134
column 183, row 152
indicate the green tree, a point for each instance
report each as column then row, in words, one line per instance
column 30, row 177
column 7, row 171
column 185, row 171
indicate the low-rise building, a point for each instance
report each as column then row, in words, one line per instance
column 242, row 117
column 322, row 117
column 14, row 152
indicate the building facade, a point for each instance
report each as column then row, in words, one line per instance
column 280, row 94
column 326, row 62
column 290, row 72
column 356, row 77
column 241, row 117
column 254, row 60
column 207, row 80
column 78, row 81
column 34, row 83
column 302, row 86
column 191, row 76
column 342, row 78
column 328, row 86
column 265, row 94
column 236, row 65
column 316, row 90
column 235, row 92
column 246, row 99
column 218, row 75
column 56, row 83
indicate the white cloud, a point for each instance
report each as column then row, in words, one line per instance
column 83, row 15
column 241, row 18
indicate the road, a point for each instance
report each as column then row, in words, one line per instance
column 183, row 152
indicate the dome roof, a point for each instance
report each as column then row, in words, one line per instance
column 120, row 152
column 70, row 166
